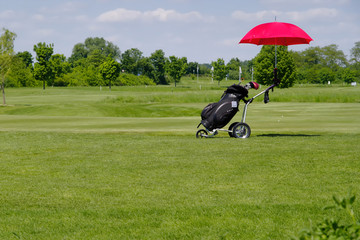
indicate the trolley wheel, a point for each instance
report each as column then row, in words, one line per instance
column 241, row 130
column 231, row 129
column 201, row 133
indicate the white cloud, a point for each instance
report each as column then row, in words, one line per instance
column 160, row 14
column 171, row 15
column 119, row 15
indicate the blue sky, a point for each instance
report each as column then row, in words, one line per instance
column 201, row 30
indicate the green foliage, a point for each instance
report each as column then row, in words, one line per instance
column 43, row 69
column 355, row 53
column 347, row 75
column 100, row 45
column 233, row 67
column 220, row 69
column 109, row 70
column 176, row 68
column 192, row 68
column 6, row 57
column 331, row 228
column 265, row 62
column 325, row 75
column 321, row 65
column 157, row 60
column 26, row 57
column 146, row 68
column 130, row 60
column 95, row 58
column 233, row 75
column 60, row 68
column 264, row 66
column 126, row 79
column 20, row 75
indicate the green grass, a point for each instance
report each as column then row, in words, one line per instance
column 111, row 186
column 79, row 163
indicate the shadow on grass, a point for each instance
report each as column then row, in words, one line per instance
column 287, row 135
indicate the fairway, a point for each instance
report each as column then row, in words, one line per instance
column 79, row 163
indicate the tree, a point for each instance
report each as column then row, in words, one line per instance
column 355, row 53
column 220, row 70
column 325, row 75
column 157, row 59
column 348, row 75
column 333, row 58
column 95, row 58
column 20, row 75
column 320, row 65
column 146, row 68
column 26, row 57
column 6, row 56
column 355, row 59
column 110, row 70
column 60, row 68
column 130, row 61
column 176, row 67
column 234, row 64
column 82, row 50
column 265, row 62
column 43, row 70
column 192, row 68
column 78, row 53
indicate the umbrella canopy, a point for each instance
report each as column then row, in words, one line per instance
column 276, row 33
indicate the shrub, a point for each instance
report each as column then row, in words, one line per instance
column 126, row 79
column 334, row 228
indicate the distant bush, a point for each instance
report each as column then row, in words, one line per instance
column 126, row 79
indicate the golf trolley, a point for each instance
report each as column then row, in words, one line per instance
column 217, row 115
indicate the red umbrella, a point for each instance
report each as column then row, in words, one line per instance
column 276, row 33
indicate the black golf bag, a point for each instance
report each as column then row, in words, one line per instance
column 217, row 115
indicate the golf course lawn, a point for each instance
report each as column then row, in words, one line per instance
column 80, row 163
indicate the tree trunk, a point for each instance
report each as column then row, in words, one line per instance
column 43, row 85
column 3, row 90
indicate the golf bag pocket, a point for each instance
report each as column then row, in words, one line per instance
column 224, row 113
column 207, row 115
column 217, row 115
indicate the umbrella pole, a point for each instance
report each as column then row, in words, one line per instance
column 276, row 81
column 275, row 56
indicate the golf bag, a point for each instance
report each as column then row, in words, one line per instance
column 217, row 115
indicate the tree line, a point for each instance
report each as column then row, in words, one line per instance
column 97, row 62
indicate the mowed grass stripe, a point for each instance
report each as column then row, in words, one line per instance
column 272, row 117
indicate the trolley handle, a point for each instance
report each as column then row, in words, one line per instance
column 266, row 91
